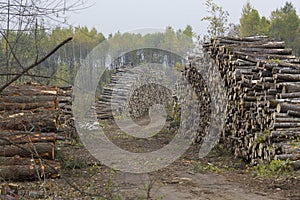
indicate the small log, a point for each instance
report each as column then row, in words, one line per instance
column 40, row 120
column 291, row 157
column 293, row 113
column 17, row 160
column 27, row 99
column 47, row 105
column 29, row 172
column 289, row 95
column 285, row 134
column 25, row 137
column 45, row 150
column 29, row 90
column 285, row 125
column 287, row 77
column 285, row 107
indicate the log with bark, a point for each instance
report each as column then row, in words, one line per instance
column 16, row 168
column 44, row 150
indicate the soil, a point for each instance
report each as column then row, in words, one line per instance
column 217, row 176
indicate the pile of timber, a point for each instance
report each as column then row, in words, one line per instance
column 29, row 122
column 262, row 80
column 132, row 91
column 198, row 84
column 66, row 119
column 117, row 87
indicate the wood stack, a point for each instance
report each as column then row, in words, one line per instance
column 66, row 119
column 133, row 89
column 120, row 88
column 28, row 125
column 262, row 78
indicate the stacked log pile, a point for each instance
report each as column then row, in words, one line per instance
column 262, row 78
column 66, row 119
column 28, row 125
column 119, row 88
column 133, row 89
column 198, row 84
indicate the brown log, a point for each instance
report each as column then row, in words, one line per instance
column 29, row 90
column 25, row 137
column 285, row 134
column 27, row 99
column 40, row 120
column 47, row 105
column 17, row 160
column 45, row 150
column 29, row 172
column 287, row 77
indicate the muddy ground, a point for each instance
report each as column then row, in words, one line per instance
column 218, row 176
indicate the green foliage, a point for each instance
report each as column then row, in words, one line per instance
column 203, row 168
column 274, row 168
column 250, row 21
column 217, row 19
column 266, row 132
column 73, row 163
column 260, row 139
column 283, row 24
column 188, row 31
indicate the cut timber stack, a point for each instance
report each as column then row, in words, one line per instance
column 132, row 91
column 28, row 125
column 104, row 107
column 262, row 78
column 66, row 119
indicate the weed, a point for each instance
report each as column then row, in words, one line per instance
column 274, row 168
column 202, row 168
column 266, row 132
column 260, row 139
column 74, row 163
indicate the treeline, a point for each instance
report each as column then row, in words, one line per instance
column 23, row 47
column 283, row 24
column 60, row 69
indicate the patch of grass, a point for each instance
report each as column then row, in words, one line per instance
column 274, row 168
column 260, row 139
column 203, row 168
column 273, row 60
column 266, row 132
column 73, row 163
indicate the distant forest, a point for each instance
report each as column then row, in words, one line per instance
column 21, row 47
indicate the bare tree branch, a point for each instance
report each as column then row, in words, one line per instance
column 35, row 64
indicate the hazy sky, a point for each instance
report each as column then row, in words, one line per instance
column 110, row 16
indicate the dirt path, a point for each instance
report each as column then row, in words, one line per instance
column 215, row 177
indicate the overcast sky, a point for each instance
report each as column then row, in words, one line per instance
column 110, row 16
